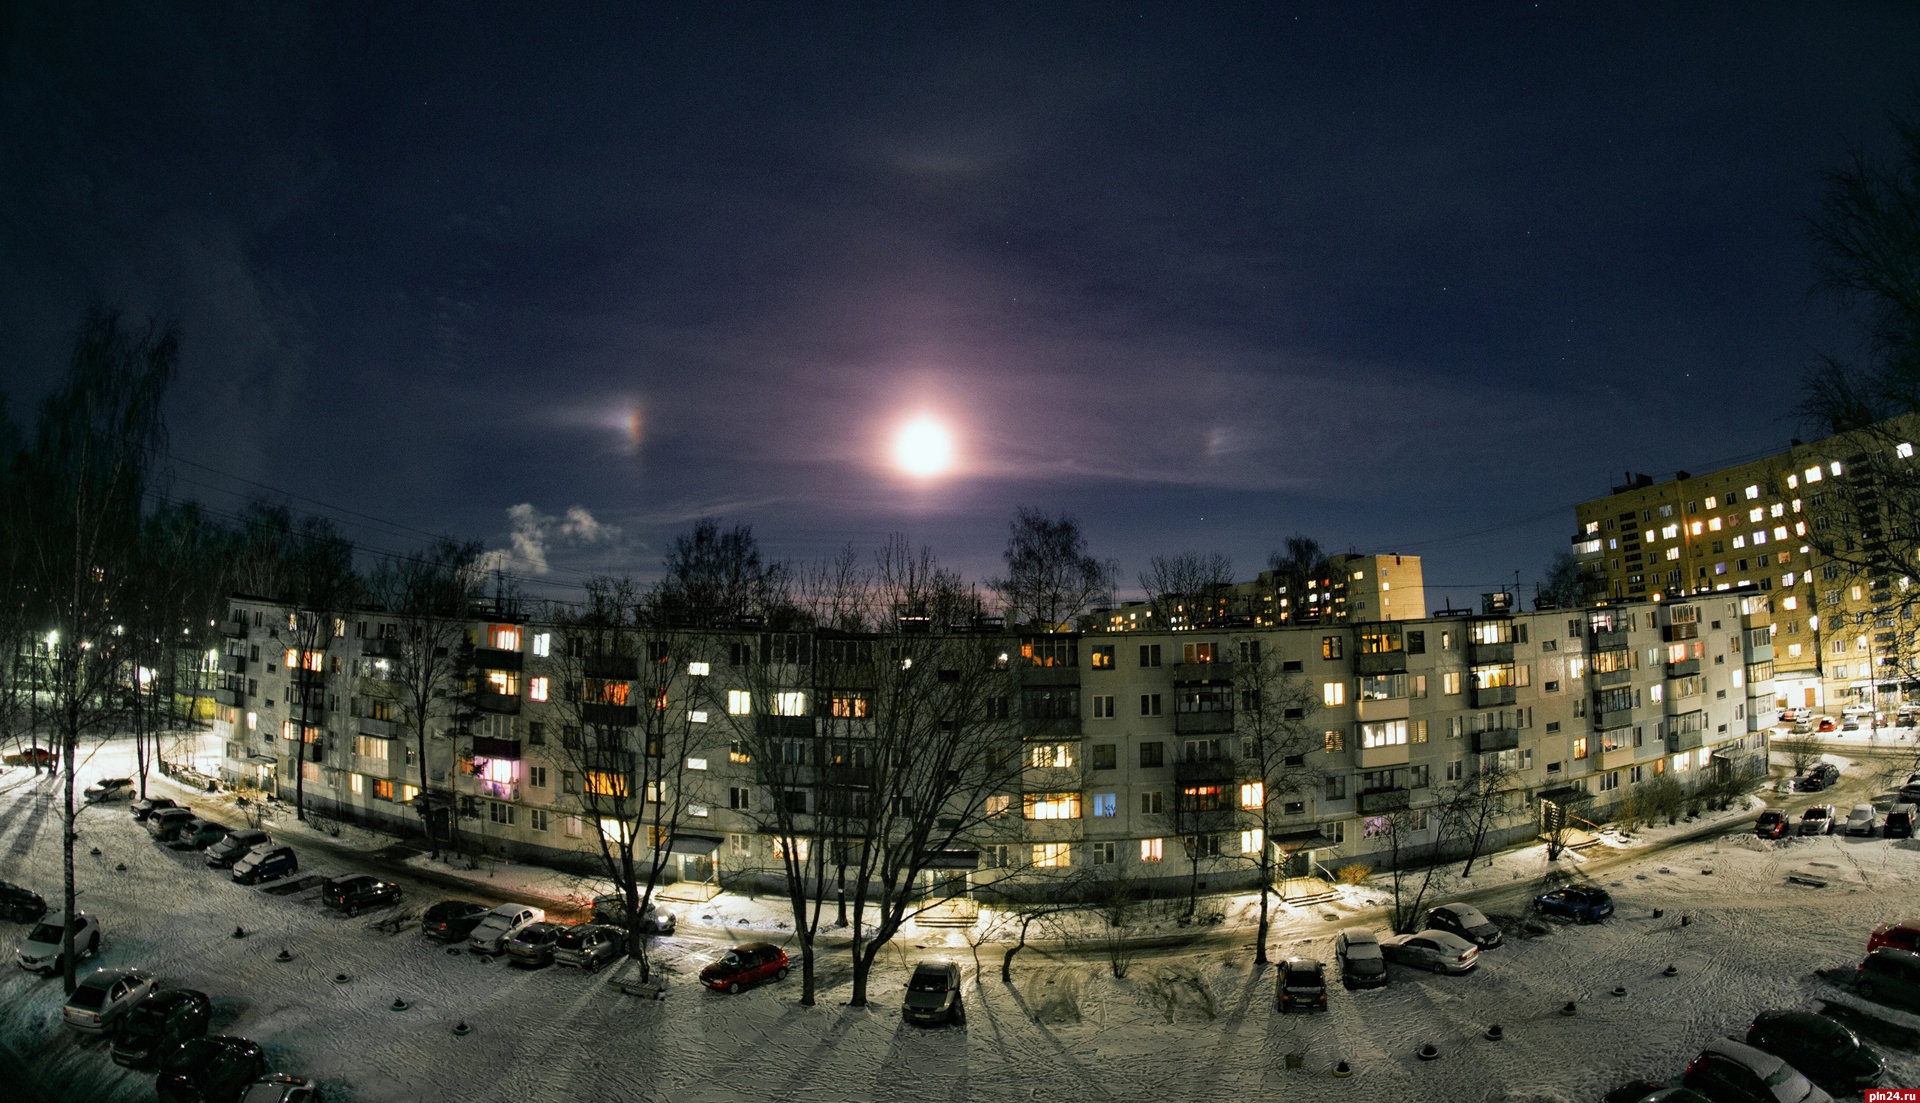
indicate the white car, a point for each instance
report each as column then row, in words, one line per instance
column 502, row 923
column 1863, row 820
column 40, row 950
column 1440, row 951
column 104, row 996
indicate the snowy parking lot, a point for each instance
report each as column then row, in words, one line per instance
column 1179, row 1026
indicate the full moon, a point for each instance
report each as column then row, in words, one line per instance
column 924, row 448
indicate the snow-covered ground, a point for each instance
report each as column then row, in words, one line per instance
column 1179, row 1026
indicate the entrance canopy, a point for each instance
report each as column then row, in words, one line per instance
column 1305, row 838
column 703, row 845
column 954, row 859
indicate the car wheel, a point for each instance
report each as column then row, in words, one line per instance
column 959, row 1013
column 1865, row 988
column 1439, row 967
column 733, row 988
column 782, row 974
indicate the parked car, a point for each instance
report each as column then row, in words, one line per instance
column 1863, row 820
column 1803, row 726
column 162, row 1019
column 1904, row 935
column 1823, row 1050
column 1466, row 921
column 1362, row 965
column 281, row 1089
column 933, row 992
column 32, row 756
column 1819, row 819
column 165, row 824
column 1302, row 984
column 1439, row 951
column 1582, row 902
column 1820, row 777
column 588, row 946
column 532, row 945
column 1891, row 977
column 20, row 905
column 1733, row 1072
column 452, row 920
column 611, row 909
column 1899, row 823
column 103, row 996
column 1646, row 1091
column 500, row 924
column 1850, row 723
column 1909, row 793
column 209, row 1070
column 199, row 835
column 41, row 950
column 223, row 854
column 1772, row 824
column 266, row 862
column 109, row 788
column 745, row 965
column 357, row 893
column 147, row 806
column 1826, row 724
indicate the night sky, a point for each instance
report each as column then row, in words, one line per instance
column 1406, row 278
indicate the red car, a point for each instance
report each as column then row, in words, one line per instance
column 744, row 965
column 1904, row 935
column 1826, row 724
column 32, row 756
column 1773, row 825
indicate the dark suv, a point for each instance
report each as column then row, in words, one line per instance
column 206, row 1069
column 20, row 905
column 1820, row 777
column 1303, row 985
column 1891, row 977
column 356, row 894
column 161, row 1020
column 1584, row 903
column 1824, row 1051
column 452, row 920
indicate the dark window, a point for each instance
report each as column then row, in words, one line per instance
column 1290, row 666
column 1105, row 756
column 1416, row 643
column 1149, row 654
column 1153, row 755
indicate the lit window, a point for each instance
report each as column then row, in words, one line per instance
column 1713, row 524
column 504, row 637
column 1333, row 693
column 604, row 784
column 790, row 704
column 253, row 721
column 1592, row 527
column 356, row 783
column 1712, row 501
column 1580, row 747
column 1647, row 536
column 537, row 689
column 1739, row 541
column 1777, row 509
column 1673, row 553
column 1799, row 528
column 696, row 716
column 1695, row 528
column 1753, row 492
column 543, row 644
column 1669, row 532
column 1385, row 733
column 998, row 805
column 1834, row 467
column 696, row 763
column 1789, row 602
column 503, row 682
column 698, row 670
column 1793, row 651
column 739, row 702
column 1152, row 850
column 1052, row 806
column 1813, row 473
column 1253, row 794
column 1793, row 482
column 1904, row 451
column 408, row 792
column 1106, row 804
column 1251, row 841
column 1051, row 855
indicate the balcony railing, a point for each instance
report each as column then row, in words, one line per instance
column 380, row 648
column 611, row 667
column 1490, row 696
column 1685, row 740
column 1684, row 668
column 1617, row 718
column 1202, row 771
column 494, row 658
column 233, row 629
column 1614, row 677
column 1382, row 662
column 1490, row 652
column 611, row 716
column 225, row 696
column 1376, row 801
column 1203, row 723
column 381, row 729
column 1194, row 674
column 507, row 703
column 1495, row 739
column 1609, row 641
column 233, row 664
column 1050, row 727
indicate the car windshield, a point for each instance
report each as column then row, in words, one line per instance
column 142, row 1020
column 929, row 981
column 45, row 932
column 184, row 1058
column 1815, row 814
column 572, row 940
column 1302, row 978
column 733, row 960
column 1469, row 917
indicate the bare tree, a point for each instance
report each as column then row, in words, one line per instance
column 413, row 664
column 1275, row 738
column 1302, row 560
column 1563, row 586
column 1051, row 577
column 1802, row 751
column 1476, row 804
column 1188, row 583
column 322, row 589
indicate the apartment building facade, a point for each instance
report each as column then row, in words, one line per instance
column 1767, row 527
column 1124, row 735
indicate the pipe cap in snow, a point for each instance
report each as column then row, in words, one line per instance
column 341, row 978
column 461, row 1029
column 239, row 932
column 1427, row 1052
column 398, row 1004
column 1569, row 1009
column 1620, row 991
column 285, row 955
column 1494, row 1033
column 1670, row 971
column 120, row 867
column 1342, row 1069
column 95, row 852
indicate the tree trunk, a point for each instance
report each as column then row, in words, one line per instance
column 806, row 973
column 1006, row 963
column 1266, row 886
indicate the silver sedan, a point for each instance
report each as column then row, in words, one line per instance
column 1440, row 951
